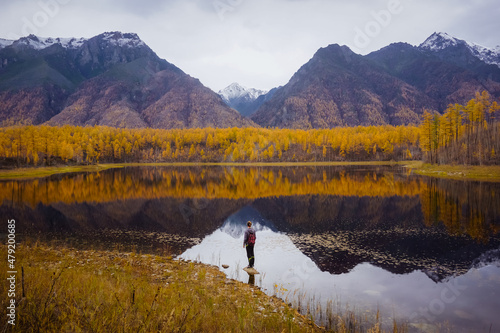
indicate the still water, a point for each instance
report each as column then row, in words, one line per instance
column 420, row 250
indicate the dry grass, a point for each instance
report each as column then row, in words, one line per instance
column 98, row 291
column 485, row 172
column 69, row 290
column 40, row 172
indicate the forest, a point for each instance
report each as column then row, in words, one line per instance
column 44, row 145
column 464, row 134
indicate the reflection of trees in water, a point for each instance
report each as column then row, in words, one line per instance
column 206, row 182
column 319, row 197
column 463, row 207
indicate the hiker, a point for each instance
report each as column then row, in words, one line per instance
column 249, row 242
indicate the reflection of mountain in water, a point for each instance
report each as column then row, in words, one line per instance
column 236, row 224
column 289, row 273
column 339, row 233
column 488, row 258
column 176, row 223
column 436, row 253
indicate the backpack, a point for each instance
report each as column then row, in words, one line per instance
column 251, row 238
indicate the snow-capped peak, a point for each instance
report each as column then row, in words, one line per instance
column 237, row 91
column 440, row 41
column 489, row 56
column 40, row 43
column 128, row 40
column 123, row 39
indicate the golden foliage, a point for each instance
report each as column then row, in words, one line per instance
column 46, row 145
column 465, row 134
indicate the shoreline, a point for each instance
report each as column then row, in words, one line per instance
column 150, row 292
column 490, row 173
column 484, row 173
column 40, row 172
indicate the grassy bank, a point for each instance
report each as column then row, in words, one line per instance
column 39, row 172
column 487, row 173
column 68, row 290
column 98, row 291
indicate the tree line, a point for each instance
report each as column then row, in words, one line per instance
column 465, row 134
column 46, row 145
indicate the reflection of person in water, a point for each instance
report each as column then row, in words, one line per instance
column 251, row 279
column 249, row 242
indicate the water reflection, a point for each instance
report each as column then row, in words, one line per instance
column 366, row 235
column 381, row 195
column 291, row 274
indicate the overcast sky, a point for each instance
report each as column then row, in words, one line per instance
column 257, row 43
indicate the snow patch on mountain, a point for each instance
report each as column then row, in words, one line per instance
column 128, row 40
column 440, row 41
column 123, row 40
column 235, row 91
column 5, row 43
column 489, row 56
column 40, row 43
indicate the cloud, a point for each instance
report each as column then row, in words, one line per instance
column 143, row 8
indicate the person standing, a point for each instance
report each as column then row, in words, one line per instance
column 249, row 243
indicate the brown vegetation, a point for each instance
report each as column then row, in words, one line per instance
column 66, row 290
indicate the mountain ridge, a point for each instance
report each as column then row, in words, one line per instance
column 391, row 86
column 115, row 79
column 439, row 41
column 112, row 79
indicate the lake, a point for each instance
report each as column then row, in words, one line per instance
column 363, row 238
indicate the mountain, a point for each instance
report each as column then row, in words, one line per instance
column 112, row 79
column 236, row 92
column 115, row 79
column 483, row 62
column 340, row 88
column 245, row 100
column 460, row 51
column 444, row 82
column 391, row 86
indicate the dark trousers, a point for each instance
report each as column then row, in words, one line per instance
column 250, row 255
